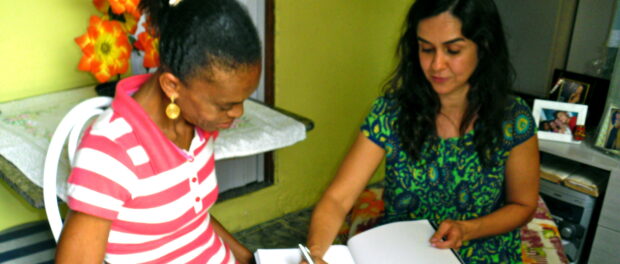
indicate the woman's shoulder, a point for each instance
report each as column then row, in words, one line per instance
column 384, row 104
column 519, row 124
column 380, row 119
column 516, row 103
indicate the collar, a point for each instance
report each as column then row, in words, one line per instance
column 164, row 154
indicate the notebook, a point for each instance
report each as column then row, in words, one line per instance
column 393, row 243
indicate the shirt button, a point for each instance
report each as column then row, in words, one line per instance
column 194, row 179
column 197, row 199
column 191, row 159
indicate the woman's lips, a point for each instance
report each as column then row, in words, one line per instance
column 231, row 124
column 436, row 79
column 225, row 125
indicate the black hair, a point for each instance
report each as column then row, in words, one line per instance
column 490, row 83
column 201, row 34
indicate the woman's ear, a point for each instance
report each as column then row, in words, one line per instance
column 170, row 84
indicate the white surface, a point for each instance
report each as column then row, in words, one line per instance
column 337, row 254
column 26, row 127
column 260, row 129
column 582, row 153
column 399, row 242
column 394, row 243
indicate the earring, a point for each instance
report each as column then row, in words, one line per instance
column 172, row 110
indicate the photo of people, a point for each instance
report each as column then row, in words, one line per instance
column 613, row 137
column 557, row 121
column 572, row 91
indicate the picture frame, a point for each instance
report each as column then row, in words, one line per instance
column 608, row 137
column 571, row 91
column 593, row 93
column 558, row 120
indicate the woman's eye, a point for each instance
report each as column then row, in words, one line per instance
column 423, row 50
column 453, row 52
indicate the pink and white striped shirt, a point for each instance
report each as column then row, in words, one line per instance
column 156, row 194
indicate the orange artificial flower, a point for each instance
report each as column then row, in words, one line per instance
column 131, row 23
column 105, row 49
column 128, row 20
column 150, row 45
column 124, row 6
column 101, row 5
column 368, row 205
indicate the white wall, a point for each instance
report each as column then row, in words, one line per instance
column 537, row 34
column 592, row 25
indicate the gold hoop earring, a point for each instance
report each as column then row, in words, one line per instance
column 172, row 110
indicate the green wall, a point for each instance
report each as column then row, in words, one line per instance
column 331, row 60
column 37, row 48
column 38, row 56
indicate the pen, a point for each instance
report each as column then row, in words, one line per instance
column 306, row 254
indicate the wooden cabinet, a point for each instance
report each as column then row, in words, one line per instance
column 610, row 214
column 606, row 228
column 605, row 247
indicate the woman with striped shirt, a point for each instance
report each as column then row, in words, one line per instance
column 144, row 176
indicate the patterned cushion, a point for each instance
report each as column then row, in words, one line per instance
column 540, row 238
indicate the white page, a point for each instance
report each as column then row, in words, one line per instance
column 399, row 242
column 336, row 254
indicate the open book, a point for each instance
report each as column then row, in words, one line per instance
column 393, row 243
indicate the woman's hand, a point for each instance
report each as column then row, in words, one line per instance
column 450, row 234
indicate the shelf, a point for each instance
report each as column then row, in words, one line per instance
column 583, row 153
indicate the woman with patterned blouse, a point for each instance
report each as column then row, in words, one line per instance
column 460, row 151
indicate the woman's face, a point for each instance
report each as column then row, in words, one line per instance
column 215, row 103
column 563, row 117
column 447, row 58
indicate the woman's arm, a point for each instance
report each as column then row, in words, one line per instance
column 522, row 182
column 353, row 175
column 83, row 239
column 242, row 254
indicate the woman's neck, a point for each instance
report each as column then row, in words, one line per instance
column 450, row 117
column 454, row 104
column 154, row 101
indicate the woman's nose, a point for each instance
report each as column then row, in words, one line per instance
column 439, row 61
column 236, row 111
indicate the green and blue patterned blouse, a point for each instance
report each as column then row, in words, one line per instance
column 448, row 181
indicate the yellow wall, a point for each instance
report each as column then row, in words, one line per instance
column 37, row 48
column 38, row 56
column 331, row 59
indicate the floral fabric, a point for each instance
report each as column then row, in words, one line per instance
column 448, row 181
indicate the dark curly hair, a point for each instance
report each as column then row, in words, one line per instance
column 200, row 34
column 417, row 104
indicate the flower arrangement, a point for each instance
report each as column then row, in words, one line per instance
column 109, row 40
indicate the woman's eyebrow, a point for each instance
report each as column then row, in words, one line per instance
column 445, row 43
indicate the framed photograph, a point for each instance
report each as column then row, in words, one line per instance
column 570, row 87
column 558, row 120
column 609, row 134
column 571, row 91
